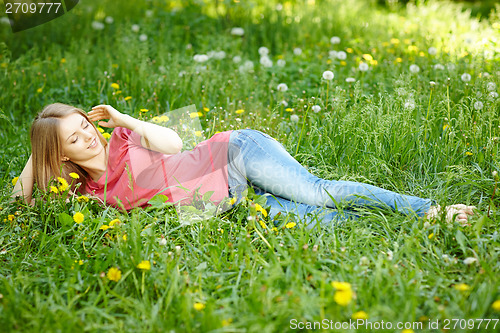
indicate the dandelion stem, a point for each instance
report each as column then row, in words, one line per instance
column 327, row 88
column 427, row 114
column 302, row 130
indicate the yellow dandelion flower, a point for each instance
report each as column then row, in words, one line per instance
column 260, row 209
column 118, row 92
column 385, row 44
column 164, row 119
column 82, row 198
column 144, row 110
column 289, row 109
column 106, row 135
column 124, row 237
column 394, row 41
column 421, row 54
column 226, row 322
column 128, row 98
column 64, row 184
column 343, row 63
column 104, row 227
column 412, row 48
column 78, row 217
column 349, row 50
column 145, row 265
column 115, row 86
column 100, row 129
column 3, row 65
column 290, row 225
column 408, row 330
column 11, row 217
column 262, row 224
column 155, row 119
column 74, row 175
column 431, row 235
column 406, row 41
column 206, row 109
column 239, row 111
column 193, row 115
column 367, row 57
column 275, row 229
column 197, row 133
column 399, row 60
column 114, row 274
column 329, row 61
column 63, row 60
column 114, row 65
column 39, row 90
column 496, row 305
column 198, row 306
column 343, row 297
column 374, row 62
column 232, row 201
column 14, row 181
column 462, row 287
column 445, row 127
column 80, row 262
column 341, row 285
column 113, row 222
column 54, row 189
column 468, row 153
column 360, row 315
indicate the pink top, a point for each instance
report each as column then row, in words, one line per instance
column 135, row 174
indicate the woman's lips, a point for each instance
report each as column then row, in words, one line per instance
column 93, row 144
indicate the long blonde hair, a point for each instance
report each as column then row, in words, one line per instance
column 46, row 148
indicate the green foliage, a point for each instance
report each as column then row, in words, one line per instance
column 240, row 270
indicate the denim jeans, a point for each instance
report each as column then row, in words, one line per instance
column 257, row 160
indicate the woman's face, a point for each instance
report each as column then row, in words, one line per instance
column 80, row 141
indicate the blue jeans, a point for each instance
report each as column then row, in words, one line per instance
column 255, row 159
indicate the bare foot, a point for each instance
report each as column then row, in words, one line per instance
column 458, row 212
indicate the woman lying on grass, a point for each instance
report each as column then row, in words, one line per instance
column 144, row 159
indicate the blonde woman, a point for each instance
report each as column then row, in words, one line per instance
column 144, row 159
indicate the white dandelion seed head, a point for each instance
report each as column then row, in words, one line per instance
column 200, row 57
column 143, row 37
column 432, row 50
column 316, row 108
column 281, row 62
column 200, row 68
column 478, row 105
column 135, row 27
column 332, row 54
column 246, row 67
column 294, row 118
column 432, row 83
column 236, row 59
column 279, row 7
column 450, row 66
column 341, row 55
column 470, row 260
column 328, row 75
column 96, row 25
column 284, row 103
column 389, row 255
column 297, row 51
column 485, row 74
column 409, row 105
column 266, row 62
column 414, row 69
column 335, row 40
column 438, row 67
column 491, row 86
column 237, row 31
column 263, row 51
column 493, row 95
column 363, row 67
column 350, row 80
column 466, row 77
column 109, row 20
column 282, row 87
column 149, row 13
column 219, row 55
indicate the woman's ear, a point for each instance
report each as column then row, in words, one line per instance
column 64, row 159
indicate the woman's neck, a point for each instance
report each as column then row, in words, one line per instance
column 97, row 166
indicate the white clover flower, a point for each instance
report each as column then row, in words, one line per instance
column 328, row 75
column 316, row 108
column 237, row 31
column 284, row 103
column 294, row 118
column 135, row 27
column 466, row 77
column 335, row 40
column 363, row 67
column 470, row 260
column 149, row 13
column 478, row 105
column 219, row 55
column 438, row 67
column 282, row 87
column 281, row 62
column 432, row 50
column 109, row 20
column 493, row 94
column 350, row 80
column 162, row 241
column 266, row 62
column 450, row 66
column 410, row 105
column 341, row 55
column 491, row 86
column 96, row 25
column 414, row 68
column 143, row 37
column 236, row 59
column 332, row 54
column 263, row 51
column 200, row 57
column 297, row 51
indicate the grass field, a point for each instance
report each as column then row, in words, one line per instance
column 413, row 107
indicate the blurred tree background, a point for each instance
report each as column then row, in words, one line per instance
column 478, row 8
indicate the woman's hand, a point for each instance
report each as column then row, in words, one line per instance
column 100, row 112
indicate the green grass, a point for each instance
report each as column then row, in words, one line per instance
column 390, row 128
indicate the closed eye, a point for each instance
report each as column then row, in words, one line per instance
column 87, row 125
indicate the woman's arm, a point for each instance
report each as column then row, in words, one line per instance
column 154, row 137
column 24, row 185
